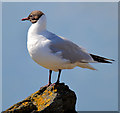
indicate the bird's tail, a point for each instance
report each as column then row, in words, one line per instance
column 101, row 59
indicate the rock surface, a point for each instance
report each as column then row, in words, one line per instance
column 53, row 99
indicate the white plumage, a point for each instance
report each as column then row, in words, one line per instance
column 38, row 43
column 55, row 52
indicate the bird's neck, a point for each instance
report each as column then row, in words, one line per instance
column 39, row 26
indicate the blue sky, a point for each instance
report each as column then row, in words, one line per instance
column 91, row 25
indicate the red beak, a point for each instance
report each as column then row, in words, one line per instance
column 25, row 19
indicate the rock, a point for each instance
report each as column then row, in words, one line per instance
column 53, row 99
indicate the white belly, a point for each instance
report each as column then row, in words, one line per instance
column 41, row 54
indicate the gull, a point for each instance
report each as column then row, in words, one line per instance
column 55, row 52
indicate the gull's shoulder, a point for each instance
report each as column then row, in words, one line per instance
column 57, row 41
column 49, row 35
column 60, row 42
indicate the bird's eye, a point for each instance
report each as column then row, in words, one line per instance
column 31, row 15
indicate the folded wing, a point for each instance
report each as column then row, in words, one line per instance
column 70, row 51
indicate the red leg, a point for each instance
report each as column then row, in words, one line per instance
column 58, row 79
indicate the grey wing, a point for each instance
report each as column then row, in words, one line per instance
column 70, row 51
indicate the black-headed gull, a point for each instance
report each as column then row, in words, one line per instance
column 55, row 52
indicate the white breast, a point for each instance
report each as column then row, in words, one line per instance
column 38, row 48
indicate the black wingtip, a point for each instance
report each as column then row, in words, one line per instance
column 101, row 59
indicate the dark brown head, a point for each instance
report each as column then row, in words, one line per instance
column 34, row 16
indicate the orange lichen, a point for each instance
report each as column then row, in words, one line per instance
column 25, row 103
column 55, row 90
column 47, row 105
column 42, row 101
